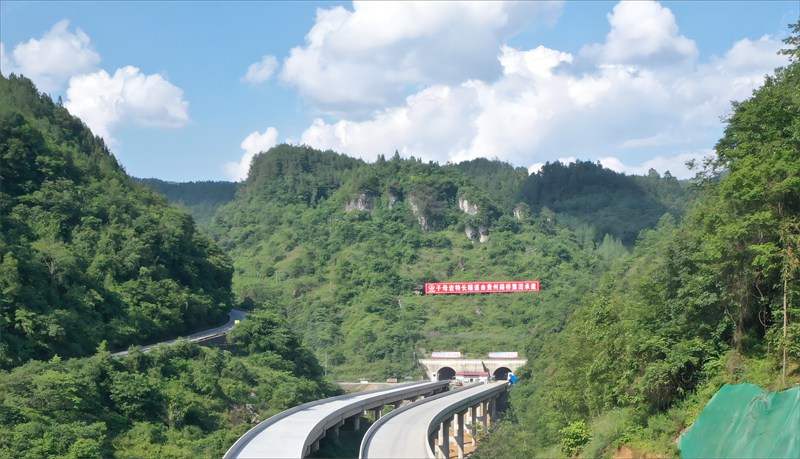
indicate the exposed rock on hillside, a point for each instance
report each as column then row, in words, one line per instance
column 467, row 207
column 521, row 210
column 481, row 234
column 364, row 202
column 393, row 199
column 424, row 221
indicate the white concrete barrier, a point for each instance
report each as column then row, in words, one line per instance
column 406, row 432
column 297, row 431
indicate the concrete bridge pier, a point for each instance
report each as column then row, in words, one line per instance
column 443, row 450
column 486, row 413
column 335, row 429
column 354, row 422
column 473, row 423
column 377, row 411
column 459, row 433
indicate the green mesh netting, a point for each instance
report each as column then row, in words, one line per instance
column 744, row 421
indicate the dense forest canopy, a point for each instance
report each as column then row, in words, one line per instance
column 613, row 203
column 86, row 254
column 710, row 300
column 201, row 199
column 91, row 260
column 655, row 291
column 342, row 256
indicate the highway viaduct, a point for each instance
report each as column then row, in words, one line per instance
column 296, row 433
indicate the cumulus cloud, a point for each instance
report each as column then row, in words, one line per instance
column 358, row 61
column 261, row 71
column 615, row 100
column 253, row 144
column 536, row 167
column 676, row 165
column 103, row 101
column 53, row 59
column 643, row 32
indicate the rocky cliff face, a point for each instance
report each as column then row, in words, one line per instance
column 364, row 202
column 480, row 234
column 393, row 199
column 467, row 207
column 423, row 220
column 484, row 234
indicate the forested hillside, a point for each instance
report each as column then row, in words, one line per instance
column 654, row 291
column 87, row 254
column 183, row 401
column 710, row 300
column 339, row 248
column 201, row 199
column 615, row 204
column 91, row 261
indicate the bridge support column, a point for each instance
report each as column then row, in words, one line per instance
column 473, row 422
column 377, row 412
column 355, row 421
column 335, row 429
column 485, row 414
column 459, row 434
column 443, row 449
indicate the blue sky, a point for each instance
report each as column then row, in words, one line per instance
column 191, row 90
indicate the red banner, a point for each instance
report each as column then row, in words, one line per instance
column 481, row 287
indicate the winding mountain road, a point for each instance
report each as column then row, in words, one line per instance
column 234, row 315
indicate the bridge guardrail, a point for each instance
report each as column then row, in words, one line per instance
column 449, row 411
column 374, row 402
column 361, row 406
column 460, row 405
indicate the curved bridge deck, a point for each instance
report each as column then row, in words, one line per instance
column 295, row 433
column 422, row 430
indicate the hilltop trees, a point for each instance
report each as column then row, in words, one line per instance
column 87, row 255
column 756, row 218
column 710, row 300
column 90, row 260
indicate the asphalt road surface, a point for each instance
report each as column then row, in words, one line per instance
column 234, row 315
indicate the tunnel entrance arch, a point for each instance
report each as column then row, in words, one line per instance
column 445, row 374
column 501, row 374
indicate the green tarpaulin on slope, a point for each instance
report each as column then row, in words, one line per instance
column 745, row 421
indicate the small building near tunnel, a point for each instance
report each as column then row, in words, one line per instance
column 454, row 367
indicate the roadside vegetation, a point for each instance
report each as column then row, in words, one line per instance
column 655, row 291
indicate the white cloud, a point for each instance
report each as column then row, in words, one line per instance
column 253, row 144
column 643, row 32
column 675, row 165
column 261, row 71
column 357, row 61
column 439, row 118
column 609, row 101
column 103, row 101
column 50, row 61
column 536, row 63
column 536, row 167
